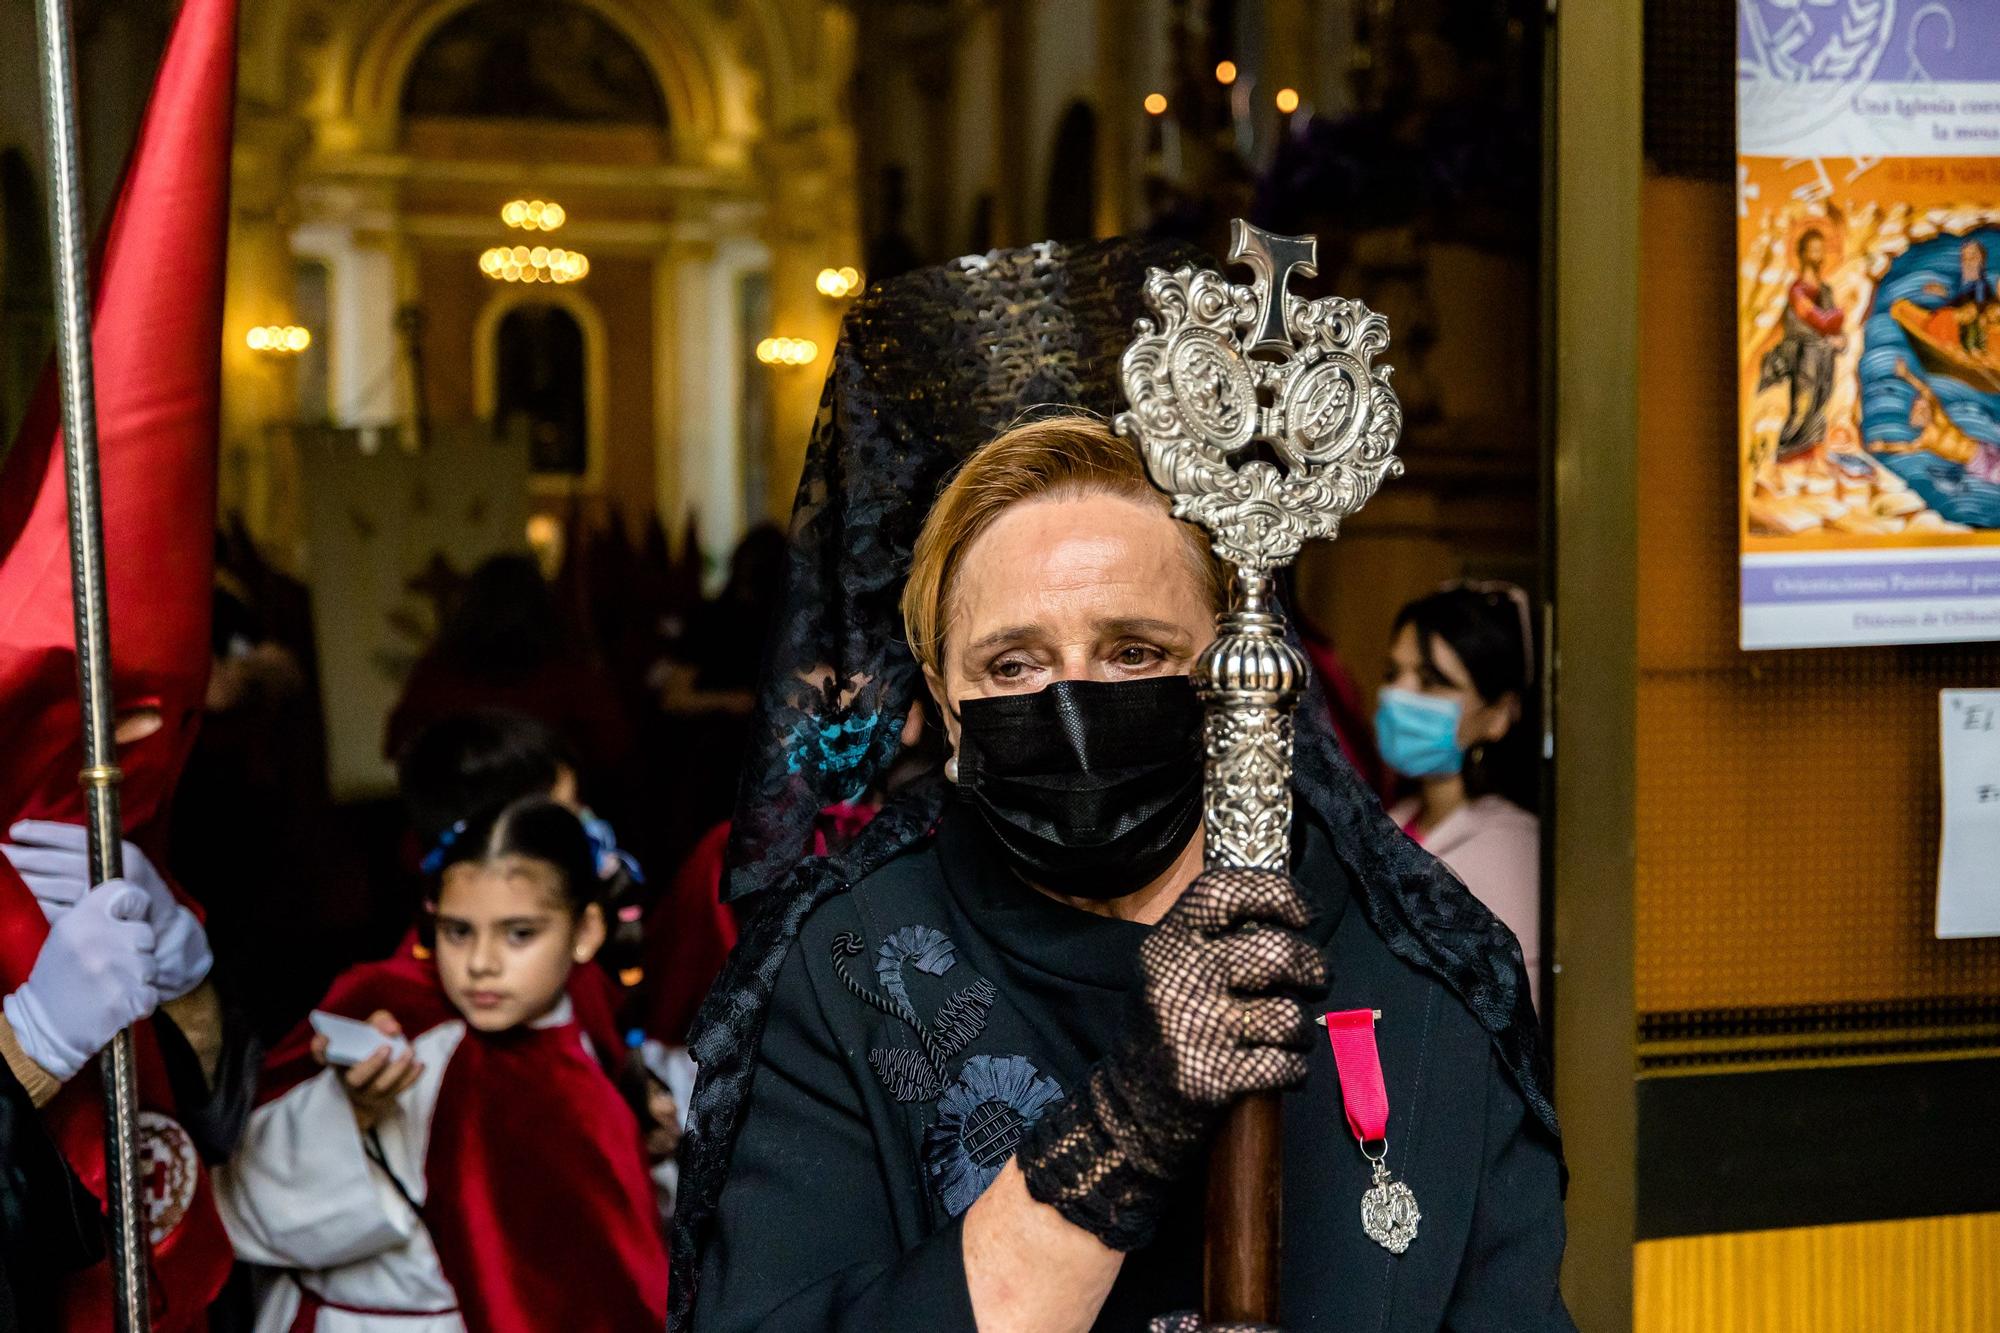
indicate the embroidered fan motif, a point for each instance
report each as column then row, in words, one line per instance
column 922, row 947
column 981, row 1118
column 913, row 1075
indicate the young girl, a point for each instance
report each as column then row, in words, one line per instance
column 1455, row 716
column 489, row 1178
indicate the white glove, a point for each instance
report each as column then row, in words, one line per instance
column 94, row 976
column 54, row 860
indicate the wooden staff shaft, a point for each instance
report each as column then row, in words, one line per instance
column 1248, row 680
column 1240, row 1278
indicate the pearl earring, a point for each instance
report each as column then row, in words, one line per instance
column 951, row 769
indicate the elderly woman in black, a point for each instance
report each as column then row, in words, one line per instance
column 962, row 1076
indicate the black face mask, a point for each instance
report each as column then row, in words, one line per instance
column 1092, row 787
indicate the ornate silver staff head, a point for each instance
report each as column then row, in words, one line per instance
column 1226, row 369
column 1232, row 365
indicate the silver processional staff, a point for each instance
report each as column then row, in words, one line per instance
column 1266, row 420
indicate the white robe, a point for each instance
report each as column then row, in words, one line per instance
column 302, row 1198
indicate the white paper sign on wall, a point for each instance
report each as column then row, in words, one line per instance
column 1969, row 856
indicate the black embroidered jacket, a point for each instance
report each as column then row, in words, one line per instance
column 923, row 1019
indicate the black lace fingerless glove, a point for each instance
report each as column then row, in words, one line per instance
column 1217, row 1015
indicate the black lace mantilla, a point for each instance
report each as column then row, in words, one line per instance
column 929, row 366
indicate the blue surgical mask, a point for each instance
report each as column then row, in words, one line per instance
column 1418, row 733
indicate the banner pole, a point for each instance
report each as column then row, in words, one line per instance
column 100, row 774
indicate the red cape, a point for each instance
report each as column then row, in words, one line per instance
column 538, row 1199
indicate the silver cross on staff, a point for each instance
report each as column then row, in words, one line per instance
column 1224, row 367
column 1220, row 369
column 1273, row 259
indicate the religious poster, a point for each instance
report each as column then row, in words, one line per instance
column 1868, row 326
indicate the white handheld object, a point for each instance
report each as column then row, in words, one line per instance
column 349, row 1042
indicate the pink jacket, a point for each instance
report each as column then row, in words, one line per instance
column 1496, row 848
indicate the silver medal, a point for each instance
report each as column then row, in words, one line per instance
column 1389, row 1211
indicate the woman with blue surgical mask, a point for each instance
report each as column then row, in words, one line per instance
column 1455, row 719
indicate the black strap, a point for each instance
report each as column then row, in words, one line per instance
column 371, row 1144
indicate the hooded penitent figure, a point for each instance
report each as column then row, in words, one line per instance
column 963, row 1074
column 157, row 339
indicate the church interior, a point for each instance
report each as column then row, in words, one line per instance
column 561, row 280
column 727, row 177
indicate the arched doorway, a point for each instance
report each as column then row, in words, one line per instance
column 549, row 61
column 540, row 387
